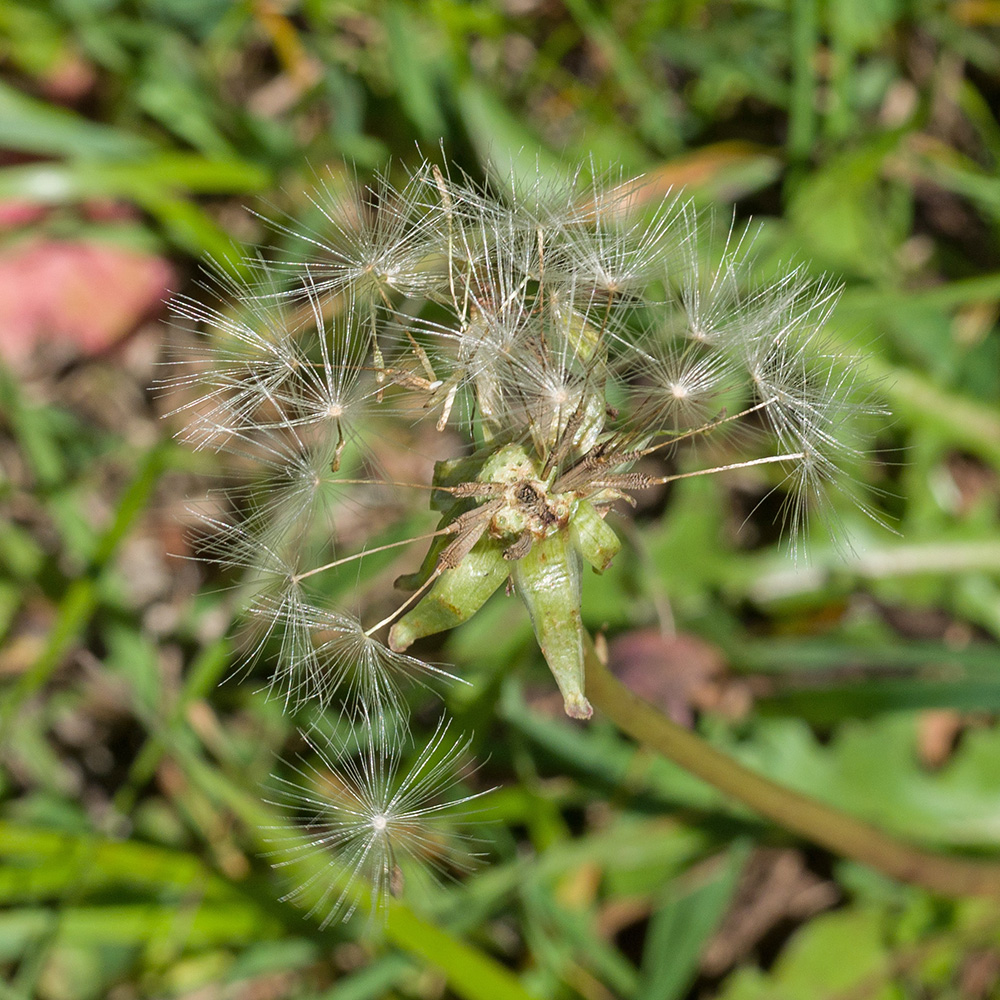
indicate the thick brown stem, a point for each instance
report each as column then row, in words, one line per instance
column 805, row 816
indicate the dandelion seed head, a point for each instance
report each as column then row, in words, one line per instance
column 572, row 327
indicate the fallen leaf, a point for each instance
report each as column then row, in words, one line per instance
column 937, row 731
column 83, row 296
column 18, row 212
column 673, row 673
column 775, row 886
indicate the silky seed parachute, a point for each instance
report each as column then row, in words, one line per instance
column 367, row 821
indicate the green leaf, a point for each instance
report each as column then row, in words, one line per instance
column 682, row 925
column 826, row 957
column 871, row 769
column 32, row 126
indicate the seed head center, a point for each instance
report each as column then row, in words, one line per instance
column 530, row 507
column 379, row 823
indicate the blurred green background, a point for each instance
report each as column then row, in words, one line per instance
column 862, row 136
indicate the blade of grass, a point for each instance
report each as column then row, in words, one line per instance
column 139, row 923
column 680, row 928
column 374, row 982
column 33, row 126
column 501, row 140
column 591, row 951
column 59, row 183
column 801, row 110
column 414, row 74
column 656, row 121
column 204, row 673
column 50, row 860
column 31, row 430
column 770, row 579
column 81, row 598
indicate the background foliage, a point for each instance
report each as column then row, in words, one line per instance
column 862, row 136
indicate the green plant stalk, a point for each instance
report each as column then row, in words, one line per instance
column 813, row 820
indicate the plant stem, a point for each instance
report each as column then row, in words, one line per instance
column 805, row 816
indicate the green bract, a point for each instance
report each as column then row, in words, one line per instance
column 536, row 539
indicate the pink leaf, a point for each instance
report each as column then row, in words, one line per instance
column 85, row 295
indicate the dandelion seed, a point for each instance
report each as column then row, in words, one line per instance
column 707, row 299
column 354, row 666
column 273, row 605
column 677, row 387
column 369, row 822
column 612, row 251
column 252, row 352
column 375, row 241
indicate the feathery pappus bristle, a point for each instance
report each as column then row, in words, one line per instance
column 372, row 816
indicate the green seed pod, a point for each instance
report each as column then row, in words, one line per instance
column 455, row 597
column 592, row 537
column 547, row 579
